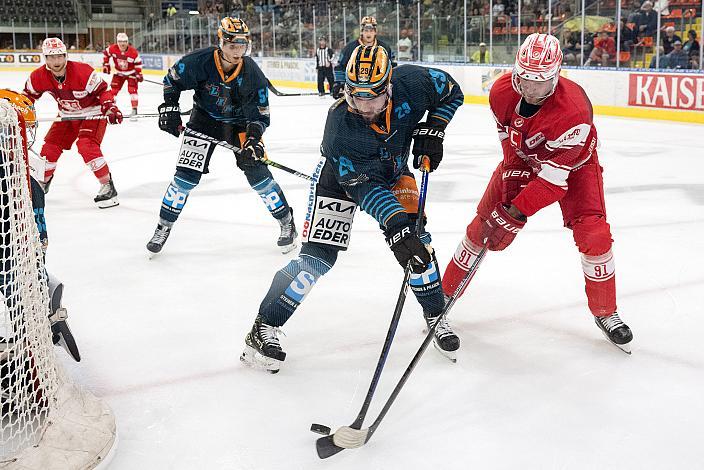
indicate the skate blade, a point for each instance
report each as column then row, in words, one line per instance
column 106, row 204
column 151, row 254
column 623, row 347
column 451, row 355
column 256, row 360
column 289, row 248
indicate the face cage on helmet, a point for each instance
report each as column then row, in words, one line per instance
column 535, row 78
column 351, row 93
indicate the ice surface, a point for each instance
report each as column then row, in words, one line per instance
column 535, row 386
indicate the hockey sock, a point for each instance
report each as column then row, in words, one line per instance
column 100, row 169
column 292, row 283
column 427, row 288
column 600, row 283
column 458, row 266
column 175, row 199
column 272, row 196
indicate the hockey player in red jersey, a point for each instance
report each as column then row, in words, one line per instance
column 80, row 93
column 128, row 67
column 549, row 147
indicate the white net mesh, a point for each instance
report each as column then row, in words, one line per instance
column 46, row 421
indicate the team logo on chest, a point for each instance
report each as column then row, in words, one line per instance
column 534, row 141
column 518, row 122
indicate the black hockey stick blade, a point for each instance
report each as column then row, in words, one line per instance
column 326, row 447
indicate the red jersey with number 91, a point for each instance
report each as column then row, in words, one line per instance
column 553, row 142
column 80, row 93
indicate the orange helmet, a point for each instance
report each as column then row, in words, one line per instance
column 236, row 31
column 368, row 21
column 25, row 106
column 368, row 77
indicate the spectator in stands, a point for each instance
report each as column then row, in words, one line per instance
column 481, row 56
column 499, row 8
column 604, row 52
column 171, row 11
column 676, row 59
column 405, row 46
column 691, row 47
column 669, row 39
column 647, row 19
column 572, row 50
column 634, row 12
column 628, row 36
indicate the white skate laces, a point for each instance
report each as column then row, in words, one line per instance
column 611, row 322
column 270, row 335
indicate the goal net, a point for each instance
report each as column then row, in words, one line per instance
column 46, row 421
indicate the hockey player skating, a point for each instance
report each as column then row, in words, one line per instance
column 549, row 155
column 61, row 333
column 79, row 92
column 128, row 68
column 365, row 151
column 367, row 37
column 231, row 103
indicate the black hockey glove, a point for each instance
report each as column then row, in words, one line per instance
column 408, row 247
column 427, row 140
column 338, row 89
column 252, row 149
column 170, row 119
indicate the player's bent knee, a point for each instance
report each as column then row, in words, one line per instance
column 592, row 235
column 474, row 231
column 87, row 146
column 187, row 178
column 51, row 152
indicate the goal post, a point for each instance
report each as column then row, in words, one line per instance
column 46, row 421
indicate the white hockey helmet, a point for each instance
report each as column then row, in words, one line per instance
column 122, row 37
column 53, row 46
column 538, row 59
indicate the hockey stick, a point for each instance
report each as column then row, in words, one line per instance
column 281, row 93
column 330, row 445
column 237, row 150
column 100, row 117
column 348, row 437
column 153, row 81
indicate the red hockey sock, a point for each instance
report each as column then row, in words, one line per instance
column 600, row 283
column 458, row 266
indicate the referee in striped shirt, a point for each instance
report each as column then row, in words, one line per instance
column 323, row 63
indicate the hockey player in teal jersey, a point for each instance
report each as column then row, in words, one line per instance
column 367, row 37
column 365, row 149
column 230, row 104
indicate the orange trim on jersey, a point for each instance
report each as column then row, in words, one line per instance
column 378, row 129
column 237, row 71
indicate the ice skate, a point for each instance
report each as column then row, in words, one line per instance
column 616, row 331
column 61, row 333
column 287, row 240
column 161, row 234
column 262, row 350
column 445, row 340
column 133, row 115
column 107, row 195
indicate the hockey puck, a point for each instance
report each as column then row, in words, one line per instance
column 320, row 429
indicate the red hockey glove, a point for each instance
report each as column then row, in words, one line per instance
column 501, row 228
column 106, row 68
column 139, row 77
column 110, row 109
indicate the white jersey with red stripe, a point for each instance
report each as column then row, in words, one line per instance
column 80, row 94
column 126, row 63
column 558, row 139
